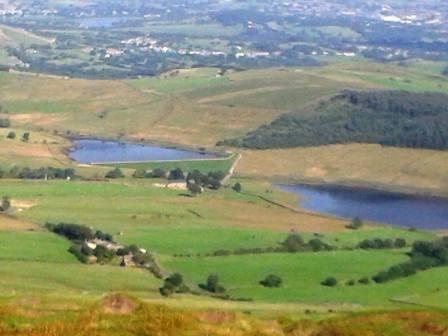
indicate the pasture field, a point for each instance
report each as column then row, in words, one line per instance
column 168, row 223
column 204, row 165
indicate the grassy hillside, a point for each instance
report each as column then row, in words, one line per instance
column 390, row 118
column 169, row 224
column 124, row 315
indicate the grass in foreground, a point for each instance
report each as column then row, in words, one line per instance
column 123, row 315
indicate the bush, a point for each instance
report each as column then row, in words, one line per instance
column 26, row 137
column 364, row 281
column 103, row 236
column 11, row 135
column 350, row 283
column 176, row 174
column 329, row 282
column 42, row 173
column 355, row 224
column 139, row 173
column 294, row 243
column 142, row 259
column 194, row 188
column 237, row 187
column 72, row 231
column 103, row 254
column 212, row 285
column 115, row 173
column 77, row 252
column 317, row 245
column 173, row 284
column 123, row 251
column 5, row 123
column 400, row 243
column 6, row 204
column 272, row 281
column 158, row 173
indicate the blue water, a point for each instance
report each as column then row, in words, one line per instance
column 384, row 207
column 91, row 151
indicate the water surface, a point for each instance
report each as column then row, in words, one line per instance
column 379, row 206
column 98, row 151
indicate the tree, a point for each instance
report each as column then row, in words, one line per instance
column 364, row 281
column 11, row 135
column 174, row 283
column 5, row 123
column 355, row 224
column 176, row 174
column 237, row 187
column 26, row 137
column 158, row 173
column 115, row 173
column 6, row 204
column 272, row 281
column 212, row 284
column 329, row 282
column 294, row 243
column 139, row 173
column 400, row 243
column 194, row 188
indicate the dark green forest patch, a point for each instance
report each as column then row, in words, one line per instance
column 391, row 118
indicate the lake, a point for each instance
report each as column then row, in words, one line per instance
column 99, row 151
column 379, row 206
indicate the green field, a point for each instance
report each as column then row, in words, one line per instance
column 167, row 223
column 203, row 165
column 198, row 108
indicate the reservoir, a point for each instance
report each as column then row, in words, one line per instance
column 99, row 151
column 422, row 212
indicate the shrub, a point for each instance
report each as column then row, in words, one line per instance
column 272, row 281
column 158, row 173
column 176, row 174
column 318, row 245
column 355, row 224
column 237, row 187
column 103, row 236
column 173, row 284
column 139, row 173
column 5, row 123
column 142, row 259
column 329, row 282
column 350, row 283
column 103, row 254
column 41, row 173
column 6, row 204
column 76, row 250
column 11, row 135
column 26, row 137
column 86, row 250
column 212, row 285
column 400, row 243
column 72, row 231
column 115, row 173
column 364, row 281
column 294, row 243
column 123, row 251
column 194, row 188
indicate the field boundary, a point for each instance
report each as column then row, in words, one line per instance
column 160, row 161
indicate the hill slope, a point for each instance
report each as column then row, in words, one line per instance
column 394, row 118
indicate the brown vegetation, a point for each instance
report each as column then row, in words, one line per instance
column 145, row 320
